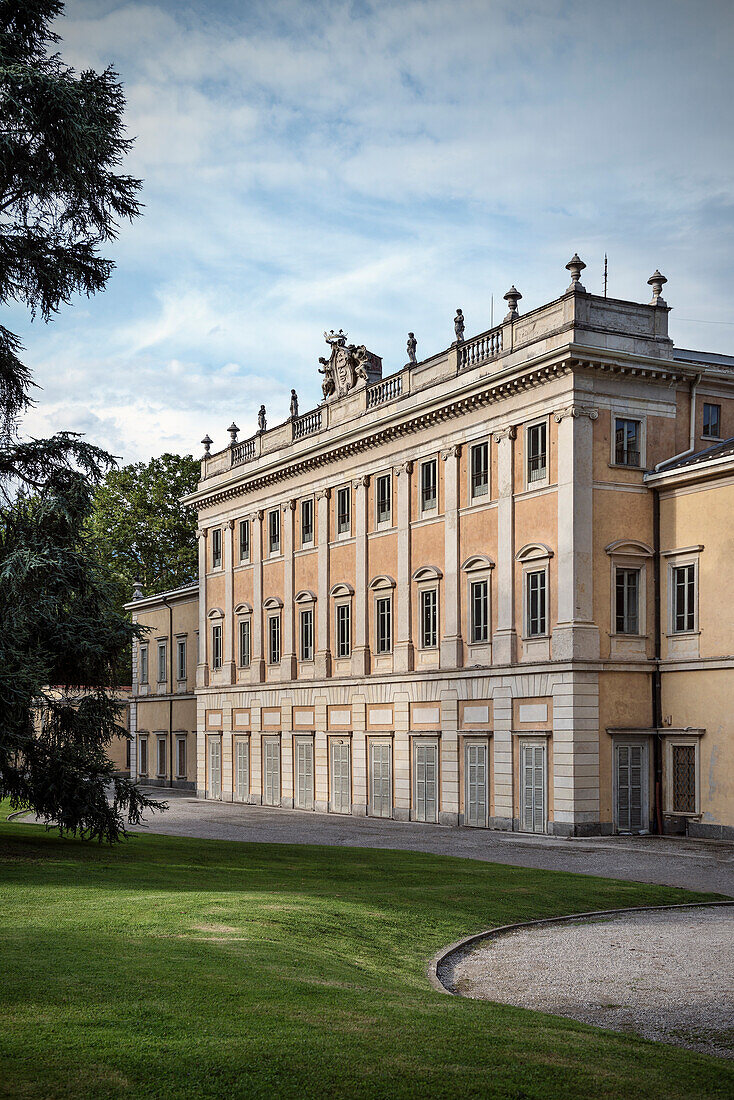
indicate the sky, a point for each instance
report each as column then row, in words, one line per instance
column 372, row 166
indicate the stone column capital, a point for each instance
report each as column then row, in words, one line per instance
column 510, row 432
column 362, row 482
column 451, row 452
column 230, row 524
column 405, row 467
column 289, row 506
column 575, row 411
column 323, row 494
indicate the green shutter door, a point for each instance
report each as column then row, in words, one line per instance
column 242, row 770
column 341, row 794
column 533, row 788
column 381, row 780
column 272, row 773
column 304, row 773
column 215, row 767
column 475, row 767
column 629, row 787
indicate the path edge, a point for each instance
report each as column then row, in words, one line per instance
column 460, row 946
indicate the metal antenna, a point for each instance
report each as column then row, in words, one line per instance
column 491, row 311
column 605, row 274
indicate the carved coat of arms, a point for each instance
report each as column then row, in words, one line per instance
column 349, row 366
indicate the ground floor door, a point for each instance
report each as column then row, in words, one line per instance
column 271, row 772
column 241, row 769
column 381, row 779
column 304, row 773
column 215, row 768
column 341, row 787
column 475, row 784
column 631, row 787
column 425, row 780
column 533, row 788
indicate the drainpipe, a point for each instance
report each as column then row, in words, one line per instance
column 657, row 704
column 170, row 697
column 691, row 430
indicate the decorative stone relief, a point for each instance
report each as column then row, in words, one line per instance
column 349, row 367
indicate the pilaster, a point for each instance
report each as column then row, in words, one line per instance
column 451, row 644
column 288, row 667
column 229, row 662
column 202, row 666
column 504, row 638
column 576, row 754
column 323, row 631
column 448, row 813
column 403, row 652
column 361, row 650
column 257, row 664
column 359, row 756
column 575, row 635
column 502, row 759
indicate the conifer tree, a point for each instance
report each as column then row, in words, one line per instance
column 62, row 196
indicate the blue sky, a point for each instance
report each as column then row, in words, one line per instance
column 372, row 166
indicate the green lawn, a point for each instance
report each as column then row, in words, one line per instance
column 169, row 967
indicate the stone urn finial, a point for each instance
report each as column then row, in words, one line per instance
column 137, row 590
column 207, row 442
column 233, row 430
column 512, row 297
column 575, row 265
column 656, row 281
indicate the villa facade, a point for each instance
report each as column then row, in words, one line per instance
column 462, row 593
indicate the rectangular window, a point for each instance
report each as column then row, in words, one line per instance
column 244, row 643
column 307, row 635
column 479, row 611
column 712, row 420
column 274, row 532
column 306, row 522
column 274, row 640
column 143, row 664
column 343, row 630
column 480, row 470
column 429, row 485
column 384, row 499
column 683, row 779
column 627, row 601
column 684, row 598
column 128, row 752
column 429, row 618
column 181, row 659
column 180, row 757
column 537, row 620
column 162, row 663
column 626, row 442
column 537, row 452
column 217, row 548
column 143, row 754
column 383, row 609
column 217, row 645
column 244, row 540
column 161, row 757
column 344, row 511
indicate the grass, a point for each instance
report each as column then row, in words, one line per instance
column 171, row 967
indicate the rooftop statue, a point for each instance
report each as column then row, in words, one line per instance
column 349, row 367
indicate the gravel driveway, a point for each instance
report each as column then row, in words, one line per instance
column 667, row 975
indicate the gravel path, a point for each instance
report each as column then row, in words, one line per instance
column 668, row 976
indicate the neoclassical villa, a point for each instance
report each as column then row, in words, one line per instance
column 492, row 589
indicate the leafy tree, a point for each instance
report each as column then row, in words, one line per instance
column 61, row 197
column 140, row 527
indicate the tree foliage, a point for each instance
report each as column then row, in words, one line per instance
column 62, row 195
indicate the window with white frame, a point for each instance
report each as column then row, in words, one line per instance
column 307, row 522
column 161, row 757
column 181, row 757
column 344, row 511
column 217, row 645
column 245, row 642
column 683, row 597
column 244, row 540
column 429, row 618
column 711, row 420
column 429, row 485
column 627, row 600
column 216, row 548
column 536, row 603
column 343, row 630
column 536, row 441
column 274, row 532
column 383, row 496
column 627, row 441
column 143, row 652
column 479, row 462
column 181, row 659
column 306, row 633
column 274, row 639
column 383, row 616
column 162, row 663
column 479, row 611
